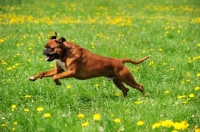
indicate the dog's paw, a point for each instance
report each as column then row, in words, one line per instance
column 57, row 82
column 31, row 78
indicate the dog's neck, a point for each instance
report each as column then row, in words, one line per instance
column 66, row 47
column 65, row 51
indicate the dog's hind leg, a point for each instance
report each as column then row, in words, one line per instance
column 120, row 85
column 125, row 76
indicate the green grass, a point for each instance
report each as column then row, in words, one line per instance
column 166, row 30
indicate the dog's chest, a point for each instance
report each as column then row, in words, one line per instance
column 62, row 65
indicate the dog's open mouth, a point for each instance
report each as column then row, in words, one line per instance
column 51, row 57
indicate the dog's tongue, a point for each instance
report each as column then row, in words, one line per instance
column 47, row 58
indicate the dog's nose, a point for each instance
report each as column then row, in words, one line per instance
column 44, row 51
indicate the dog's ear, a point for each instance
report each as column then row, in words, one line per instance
column 61, row 40
column 54, row 37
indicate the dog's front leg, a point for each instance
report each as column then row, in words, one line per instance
column 67, row 74
column 40, row 75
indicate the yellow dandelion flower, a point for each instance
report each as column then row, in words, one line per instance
column 195, row 58
column 40, row 109
column 26, row 110
column 160, row 49
column 17, row 64
column 196, row 88
column 97, row 117
column 156, row 125
column 198, row 75
column 172, row 27
column 198, row 45
column 3, row 125
column 51, row 65
column 27, row 96
column 1, row 40
column 177, row 126
column 13, row 106
column 117, row 94
column 144, row 51
column 68, row 86
column 138, row 102
column 191, row 95
column 29, row 60
column 181, row 96
column 189, row 61
column 167, row 123
column 179, row 26
column 188, row 81
column 185, row 102
column 140, row 123
column 15, row 123
column 9, row 69
column 47, row 115
column 80, row 115
column 85, row 124
column 151, row 50
column 3, row 62
column 117, row 120
column 14, row 129
column 18, row 44
column 171, row 69
column 164, row 64
column 197, row 130
column 97, row 85
column 167, row 91
column 187, row 75
column 184, row 125
column 178, row 31
column 151, row 63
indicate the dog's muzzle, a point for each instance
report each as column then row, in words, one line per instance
column 50, row 56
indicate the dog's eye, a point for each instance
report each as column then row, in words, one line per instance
column 51, row 48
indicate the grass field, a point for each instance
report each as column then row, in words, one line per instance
column 169, row 31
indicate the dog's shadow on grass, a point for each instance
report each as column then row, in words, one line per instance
column 85, row 99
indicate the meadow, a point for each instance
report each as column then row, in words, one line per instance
column 167, row 30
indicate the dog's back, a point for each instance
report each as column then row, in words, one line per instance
column 70, row 45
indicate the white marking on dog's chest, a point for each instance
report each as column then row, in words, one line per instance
column 62, row 65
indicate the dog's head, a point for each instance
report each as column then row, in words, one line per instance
column 53, row 48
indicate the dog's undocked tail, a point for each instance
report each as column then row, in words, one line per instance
column 134, row 61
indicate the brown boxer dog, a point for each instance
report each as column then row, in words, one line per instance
column 75, row 61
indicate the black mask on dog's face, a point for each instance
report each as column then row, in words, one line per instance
column 50, row 54
column 53, row 48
